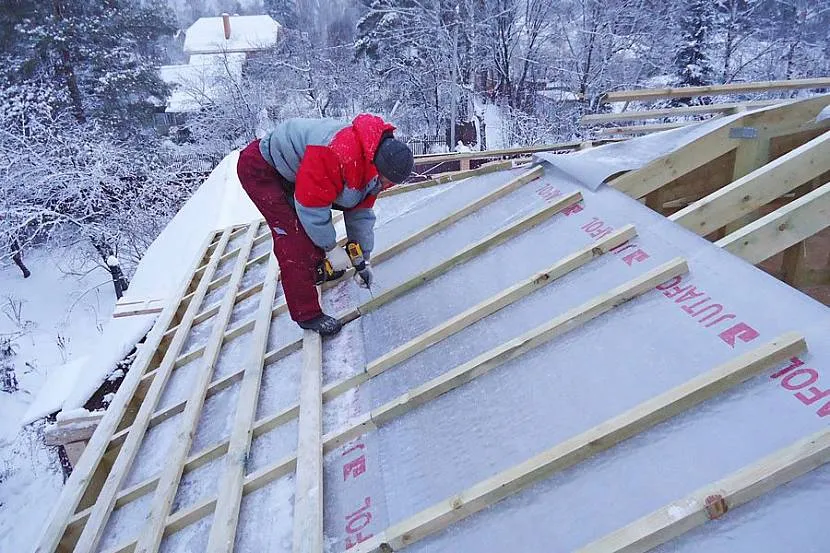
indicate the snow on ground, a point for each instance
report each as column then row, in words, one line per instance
column 55, row 318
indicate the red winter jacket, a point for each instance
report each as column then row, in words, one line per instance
column 330, row 164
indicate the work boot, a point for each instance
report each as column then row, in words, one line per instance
column 322, row 324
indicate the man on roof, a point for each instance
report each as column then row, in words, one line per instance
column 296, row 175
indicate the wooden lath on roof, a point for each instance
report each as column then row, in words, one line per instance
column 235, row 272
column 686, row 115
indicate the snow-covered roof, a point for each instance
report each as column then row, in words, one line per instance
column 218, row 202
column 247, row 33
column 539, row 362
column 202, row 80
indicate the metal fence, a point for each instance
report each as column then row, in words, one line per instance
column 427, row 144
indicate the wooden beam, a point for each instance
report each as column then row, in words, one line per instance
column 731, row 88
column 782, row 228
column 82, row 474
column 496, row 357
column 743, row 486
column 138, row 307
column 308, row 493
column 583, row 446
column 229, row 497
column 644, row 129
column 75, row 430
column 663, row 170
column 500, row 192
column 750, row 155
column 596, row 118
column 171, row 472
column 757, row 188
column 794, row 260
column 444, row 178
column 773, row 121
column 473, row 250
column 484, row 309
column 792, row 265
column 485, row 154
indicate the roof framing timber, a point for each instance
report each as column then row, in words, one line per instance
column 308, row 497
column 229, row 497
column 86, row 467
column 771, row 122
column 151, row 534
column 758, row 188
column 644, row 129
column 598, row 118
column 784, row 227
column 575, row 450
column 731, row 88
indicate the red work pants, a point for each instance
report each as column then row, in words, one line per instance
column 297, row 255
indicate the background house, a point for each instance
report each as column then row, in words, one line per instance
column 218, row 48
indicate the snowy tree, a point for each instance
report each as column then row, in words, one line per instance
column 799, row 29
column 284, row 11
column 737, row 25
column 692, row 60
column 96, row 58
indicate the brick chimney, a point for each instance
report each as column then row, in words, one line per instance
column 226, row 23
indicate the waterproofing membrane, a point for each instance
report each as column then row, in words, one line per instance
column 724, row 307
column 594, row 166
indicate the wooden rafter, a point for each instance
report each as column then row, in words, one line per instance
column 150, row 536
column 731, row 88
column 444, row 178
column 597, row 118
column 644, row 129
column 784, row 227
column 485, row 154
column 774, row 121
column 308, row 496
column 757, row 188
column 229, row 497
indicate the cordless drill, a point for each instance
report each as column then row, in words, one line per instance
column 358, row 260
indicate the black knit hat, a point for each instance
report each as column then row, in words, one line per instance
column 394, row 160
